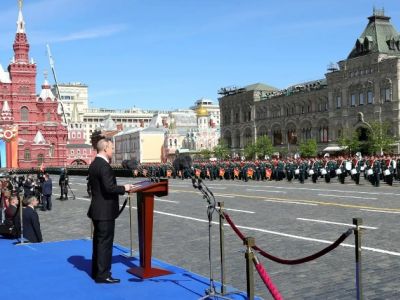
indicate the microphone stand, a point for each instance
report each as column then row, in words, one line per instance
column 211, row 292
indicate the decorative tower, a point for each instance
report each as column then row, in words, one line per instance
column 31, row 130
column 22, row 72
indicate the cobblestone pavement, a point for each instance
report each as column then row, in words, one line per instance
column 288, row 220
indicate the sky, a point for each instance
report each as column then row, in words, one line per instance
column 166, row 54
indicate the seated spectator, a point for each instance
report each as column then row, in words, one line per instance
column 30, row 218
column 11, row 210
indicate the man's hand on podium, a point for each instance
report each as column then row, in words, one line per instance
column 128, row 187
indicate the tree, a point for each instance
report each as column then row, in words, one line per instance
column 380, row 138
column 264, row 146
column 308, row 148
column 205, row 153
column 250, row 151
column 350, row 140
column 221, row 151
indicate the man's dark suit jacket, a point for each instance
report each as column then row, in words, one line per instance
column 47, row 187
column 105, row 191
column 31, row 225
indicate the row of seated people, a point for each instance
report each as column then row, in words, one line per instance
column 10, row 225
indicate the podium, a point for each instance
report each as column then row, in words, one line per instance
column 146, row 190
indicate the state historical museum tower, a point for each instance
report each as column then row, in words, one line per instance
column 31, row 130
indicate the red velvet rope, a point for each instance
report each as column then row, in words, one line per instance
column 267, row 281
column 290, row 261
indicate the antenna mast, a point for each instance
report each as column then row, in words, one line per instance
column 53, row 70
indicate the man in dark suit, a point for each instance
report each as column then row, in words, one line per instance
column 47, row 191
column 103, row 210
column 30, row 218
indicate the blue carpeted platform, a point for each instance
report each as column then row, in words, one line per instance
column 61, row 270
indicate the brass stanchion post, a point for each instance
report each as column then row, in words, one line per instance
column 130, row 254
column 249, row 242
column 357, row 236
column 222, row 246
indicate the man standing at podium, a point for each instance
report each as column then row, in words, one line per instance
column 103, row 210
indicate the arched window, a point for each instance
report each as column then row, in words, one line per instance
column 40, row 159
column 24, row 114
column 51, row 150
column 27, row 154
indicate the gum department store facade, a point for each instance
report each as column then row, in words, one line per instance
column 367, row 81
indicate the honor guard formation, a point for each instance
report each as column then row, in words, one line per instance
column 374, row 169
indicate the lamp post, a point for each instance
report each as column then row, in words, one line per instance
column 361, row 120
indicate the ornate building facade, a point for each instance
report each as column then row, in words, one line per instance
column 31, row 128
column 366, row 82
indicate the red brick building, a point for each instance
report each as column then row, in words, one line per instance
column 31, row 128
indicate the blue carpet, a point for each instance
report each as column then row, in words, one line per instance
column 61, row 270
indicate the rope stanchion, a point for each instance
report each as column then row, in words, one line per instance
column 266, row 279
column 292, row 261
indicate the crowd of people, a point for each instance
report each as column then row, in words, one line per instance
column 33, row 193
column 374, row 169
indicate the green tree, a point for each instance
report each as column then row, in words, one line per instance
column 205, row 153
column 264, row 146
column 308, row 148
column 250, row 151
column 221, row 151
column 380, row 138
column 350, row 139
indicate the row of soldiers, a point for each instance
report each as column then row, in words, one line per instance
column 372, row 168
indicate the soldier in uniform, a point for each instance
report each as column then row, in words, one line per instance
column 290, row 167
column 376, row 169
column 341, row 171
column 388, row 170
column 355, row 171
column 302, row 166
column 63, row 183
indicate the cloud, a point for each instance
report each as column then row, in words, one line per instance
column 92, row 33
column 40, row 37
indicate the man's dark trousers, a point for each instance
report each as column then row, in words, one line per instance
column 103, row 237
column 46, row 202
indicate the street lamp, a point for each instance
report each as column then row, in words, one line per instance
column 361, row 120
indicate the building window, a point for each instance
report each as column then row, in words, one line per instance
column 353, row 99
column 361, row 99
column 323, row 134
column 40, row 159
column 175, row 142
column 370, row 97
column 48, row 116
column 237, row 118
column 27, row 154
column 51, row 150
column 72, row 152
column 338, row 102
column 24, row 114
column 386, row 94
